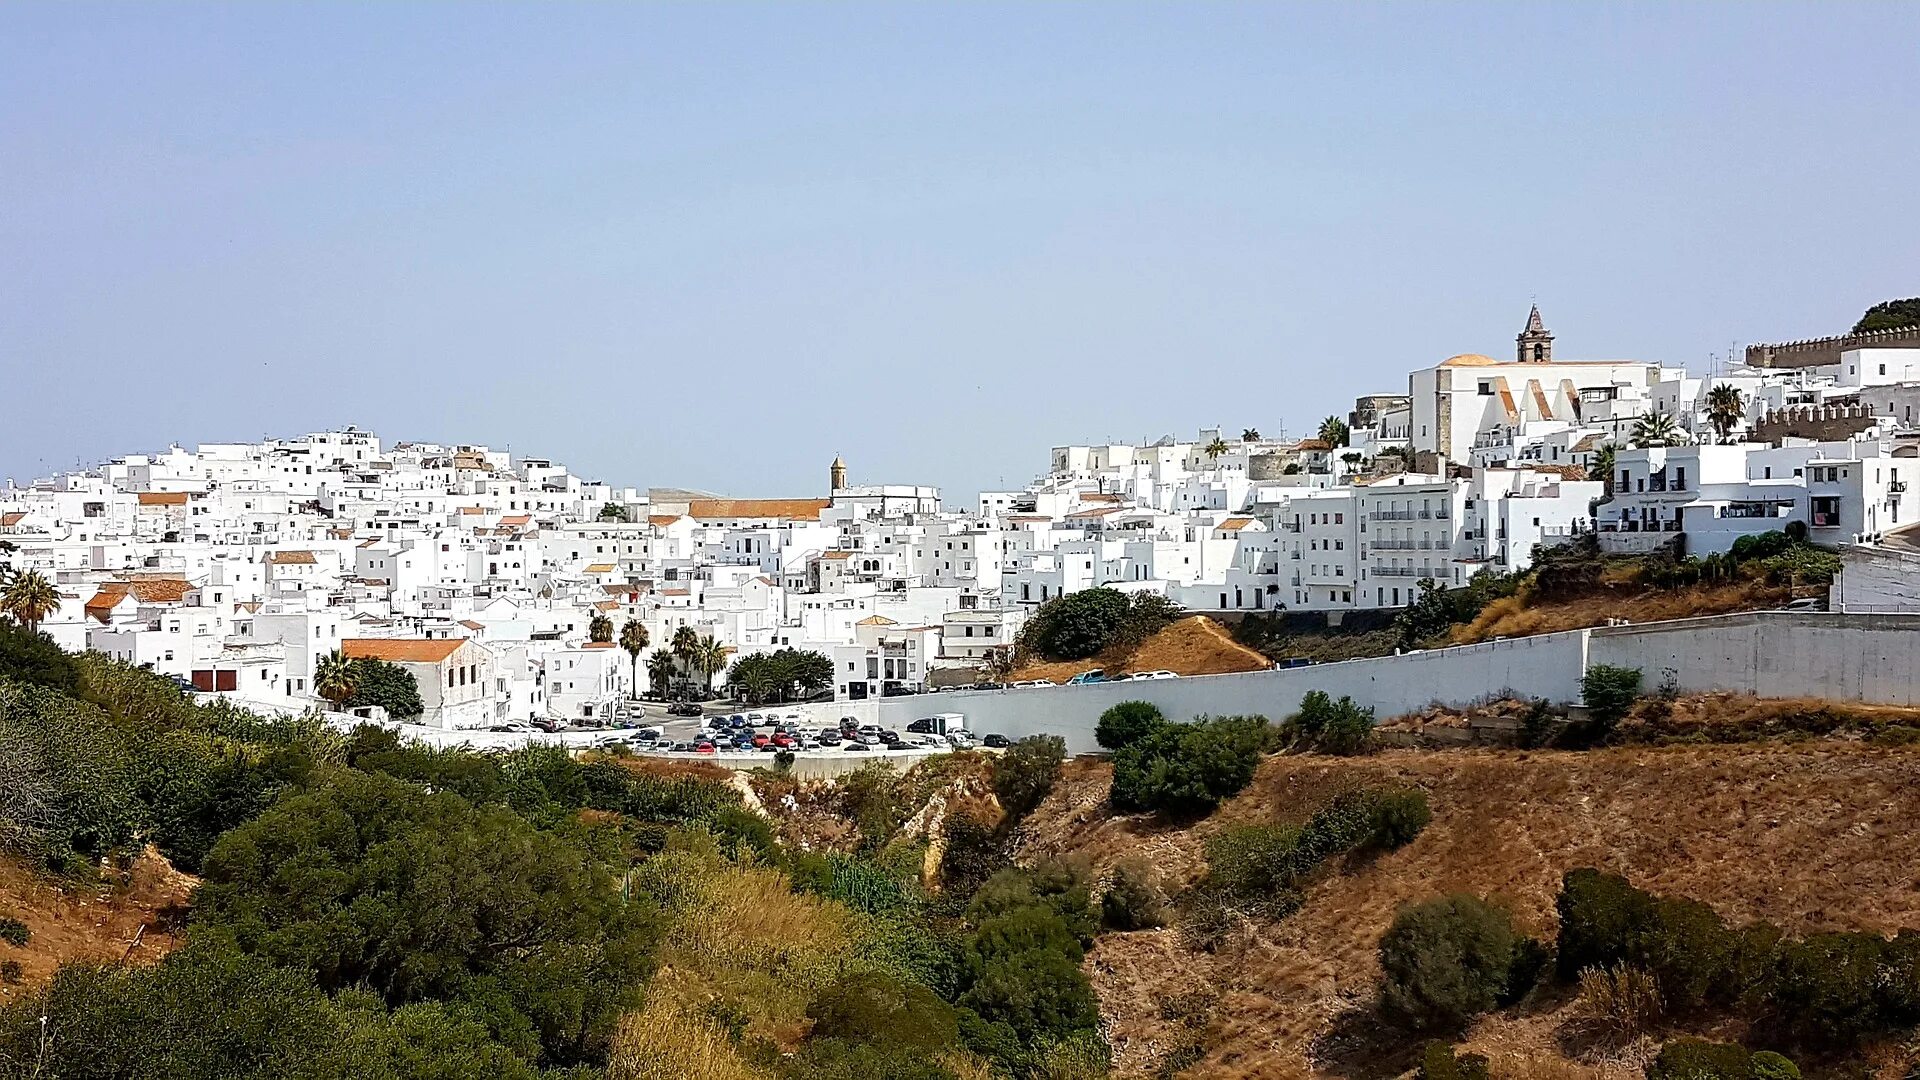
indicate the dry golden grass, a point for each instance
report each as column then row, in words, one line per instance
column 751, row 917
column 1519, row 616
column 1193, row 646
column 1617, row 1004
column 1810, row 836
column 666, row 1041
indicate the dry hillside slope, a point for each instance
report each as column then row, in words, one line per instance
column 75, row 920
column 1812, row 837
column 1195, row 645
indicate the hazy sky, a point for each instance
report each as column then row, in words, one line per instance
column 712, row 245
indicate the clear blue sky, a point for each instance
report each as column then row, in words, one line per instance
column 711, row 245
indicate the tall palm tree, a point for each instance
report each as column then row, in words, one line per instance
column 1214, row 449
column 29, row 598
column 1602, row 467
column 336, row 678
column 1656, row 429
column 660, row 670
column 1251, row 434
column 709, row 659
column 1725, row 408
column 1333, row 431
column 633, row 640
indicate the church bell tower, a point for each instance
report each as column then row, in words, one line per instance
column 836, row 474
column 1536, row 341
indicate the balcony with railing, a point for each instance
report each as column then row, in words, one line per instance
column 1392, row 515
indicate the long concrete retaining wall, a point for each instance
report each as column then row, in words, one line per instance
column 1870, row 658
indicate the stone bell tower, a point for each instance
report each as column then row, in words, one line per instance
column 1536, row 341
column 836, row 474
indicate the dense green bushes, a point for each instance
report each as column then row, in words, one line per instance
column 1609, row 693
column 1449, row 960
column 14, row 932
column 1824, row 989
column 1024, row 774
column 31, row 657
column 1127, row 723
column 388, row 685
column 1091, row 621
column 1698, row 1059
column 1329, row 726
column 1189, row 768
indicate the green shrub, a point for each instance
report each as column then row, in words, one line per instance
column 1693, row 956
column 874, row 1007
column 1256, row 864
column 1609, row 693
column 1699, row 1059
column 1024, row 775
column 1399, row 815
column 28, row 656
column 1023, row 970
column 1189, row 768
column 14, row 932
column 1829, row 988
column 388, row 685
column 1127, row 723
column 1332, row 727
column 1131, row 900
column 1449, row 960
column 859, row 883
column 1438, row 1062
column 11, row 973
column 973, row 853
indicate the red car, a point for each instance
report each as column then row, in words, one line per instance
column 785, row 741
column 703, row 748
column 760, row 741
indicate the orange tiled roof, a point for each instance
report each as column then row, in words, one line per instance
column 291, row 558
column 662, row 519
column 599, row 568
column 401, row 650
column 607, row 605
column 473, row 510
column 1101, row 512
column 800, row 509
column 12, row 519
column 836, row 554
column 471, row 625
column 1101, row 497
column 1234, row 524
column 598, row 645
column 876, row 620
column 162, row 498
column 516, row 519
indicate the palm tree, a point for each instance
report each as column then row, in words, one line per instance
column 1725, row 408
column 1602, row 467
column 753, row 678
column 29, row 598
column 633, row 640
column 709, row 659
column 1333, row 431
column 1656, row 429
column 660, row 670
column 336, row 678
column 1214, row 449
column 1250, row 435
column 599, row 628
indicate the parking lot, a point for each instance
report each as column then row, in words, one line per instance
column 732, row 731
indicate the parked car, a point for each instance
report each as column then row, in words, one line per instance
column 682, row 748
column 960, row 740
column 995, row 740
column 1093, row 676
column 784, row 741
column 830, row 737
column 761, row 740
column 704, row 746
column 855, row 746
column 1806, row 603
column 683, row 708
column 1161, row 673
column 1121, row 677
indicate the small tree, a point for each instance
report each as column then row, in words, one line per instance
column 1333, row 431
column 334, row 678
column 390, row 686
column 1609, row 693
column 599, row 628
column 1132, row 901
column 1449, row 960
column 1127, row 723
column 1189, row 768
column 613, row 512
column 1024, row 775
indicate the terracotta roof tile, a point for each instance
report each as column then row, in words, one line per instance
column 401, row 650
column 662, row 519
column 291, row 558
column 599, row 568
column 798, row 509
column 1234, row 524
column 836, row 555
column 12, row 519
column 162, row 498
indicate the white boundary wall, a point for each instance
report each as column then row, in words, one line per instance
column 1869, row 658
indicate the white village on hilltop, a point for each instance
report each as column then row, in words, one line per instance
column 509, row 587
